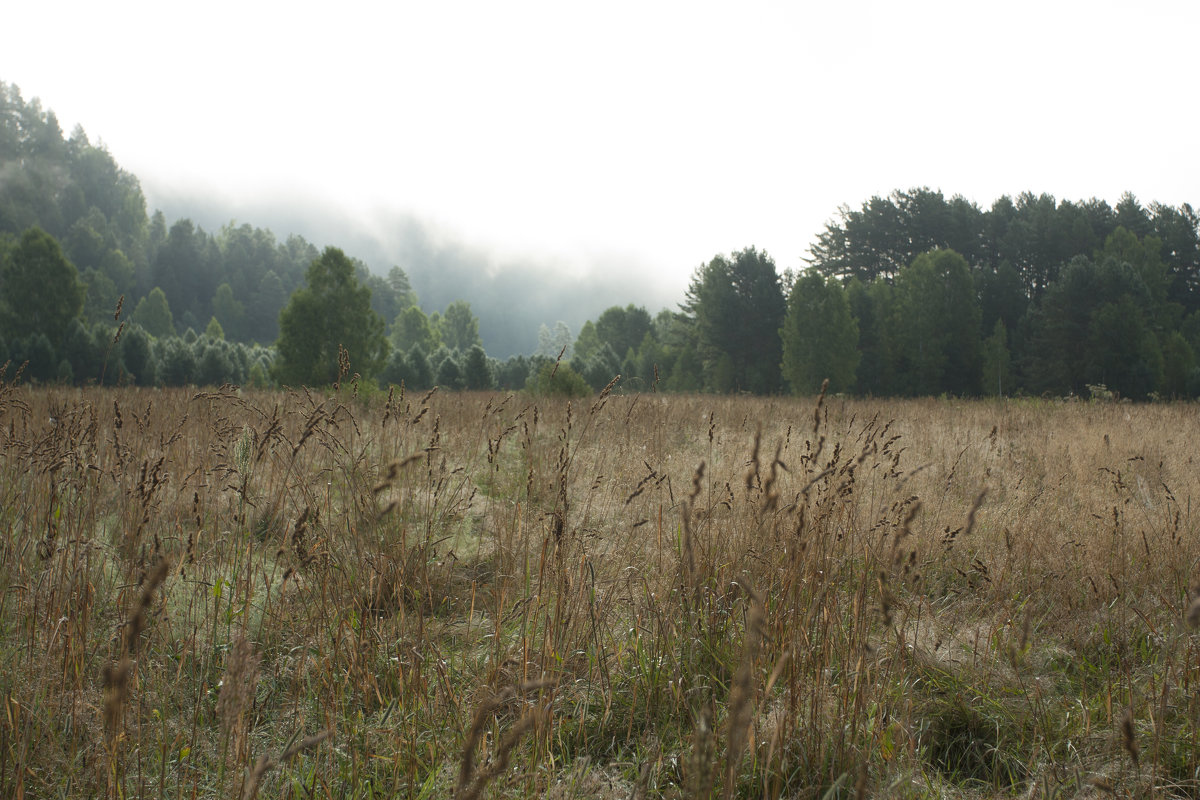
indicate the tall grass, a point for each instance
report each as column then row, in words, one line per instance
column 225, row 593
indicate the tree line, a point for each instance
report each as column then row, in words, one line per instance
column 913, row 294
column 908, row 294
column 1032, row 295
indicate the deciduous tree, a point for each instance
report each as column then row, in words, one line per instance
column 556, row 341
column 153, row 313
column 936, row 326
column 459, row 327
column 412, row 328
column 820, row 337
column 40, row 292
column 332, row 312
column 737, row 306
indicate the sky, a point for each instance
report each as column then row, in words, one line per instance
column 637, row 137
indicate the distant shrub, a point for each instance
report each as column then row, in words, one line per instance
column 559, row 381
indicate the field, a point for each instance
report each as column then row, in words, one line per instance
column 239, row 594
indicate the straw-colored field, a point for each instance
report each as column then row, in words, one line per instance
column 223, row 594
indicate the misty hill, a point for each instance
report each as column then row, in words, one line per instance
column 511, row 297
column 195, row 244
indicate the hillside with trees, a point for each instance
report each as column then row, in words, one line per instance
column 159, row 302
column 908, row 294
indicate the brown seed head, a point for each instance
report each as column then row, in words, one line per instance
column 1127, row 736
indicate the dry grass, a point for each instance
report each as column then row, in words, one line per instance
column 638, row 596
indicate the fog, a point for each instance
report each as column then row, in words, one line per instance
column 511, row 293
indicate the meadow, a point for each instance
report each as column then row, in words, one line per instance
column 233, row 593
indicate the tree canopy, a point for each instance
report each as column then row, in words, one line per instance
column 331, row 314
column 40, row 292
column 459, row 328
column 819, row 336
column 737, row 306
column 935, row 326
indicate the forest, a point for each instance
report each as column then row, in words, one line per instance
column 911, row 294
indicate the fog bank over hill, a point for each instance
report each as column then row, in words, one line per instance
column 513, row 294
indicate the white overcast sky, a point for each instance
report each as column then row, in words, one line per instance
column 662, row 133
